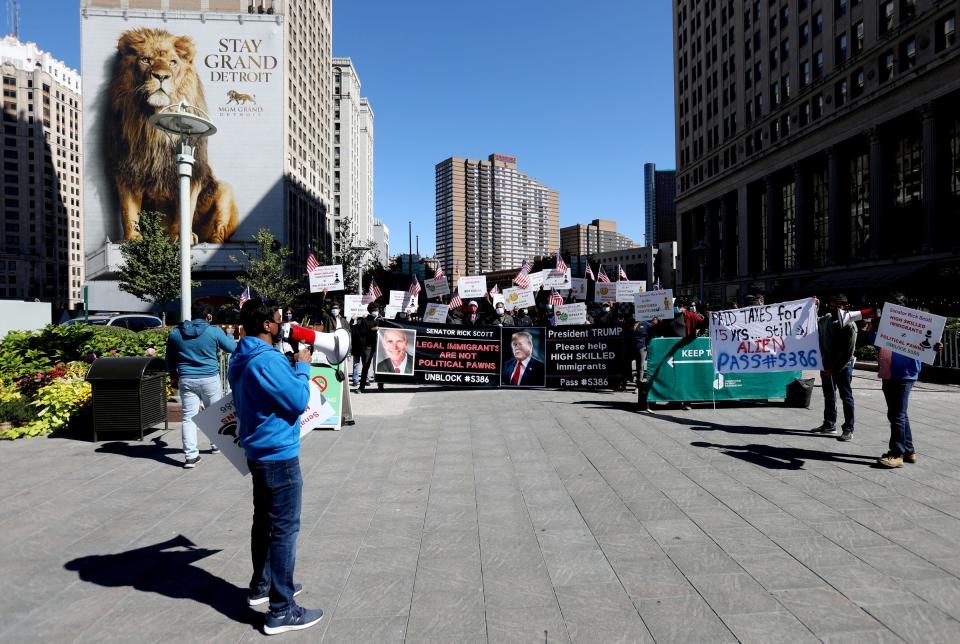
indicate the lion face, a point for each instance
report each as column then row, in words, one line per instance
column 159, row 63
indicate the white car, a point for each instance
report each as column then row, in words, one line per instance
column 132, row 321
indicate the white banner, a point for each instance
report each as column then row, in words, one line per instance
column 354, row 306
column 220, row 425
column 328, row 278
column 498, row 299
column 517, row 297
column 575, row 313
column 910, row 332
column 397, row 298
column 436, row 313
column 390, row 311
column 578, row 287
column 555, row 279
column 536, row 280
column 436, row 288
column 605, row 292
column 772, row 337
column 472, row 286
column 626, row 289
column 653, row 304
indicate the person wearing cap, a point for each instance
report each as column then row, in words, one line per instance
column 471, row 317
column 838, row 340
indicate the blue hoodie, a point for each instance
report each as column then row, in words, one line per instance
column 192, row 349
column 269, row 397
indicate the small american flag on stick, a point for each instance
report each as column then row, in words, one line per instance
column 602, row 275
column 555, row 298
column 438, row 274
column 414, row 289
column 312, row 263
column 561, row 265
column 621, row 274
column 589, row 272
column 245, row 296
column 456, row 302
column 374, row 290
column 495, row 290
column 523, row 277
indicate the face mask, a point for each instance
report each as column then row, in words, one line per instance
column 677, row 311
column 693, row 309
column 499, row 311
column 289, row 316
column 334, row 312
column 606, row 309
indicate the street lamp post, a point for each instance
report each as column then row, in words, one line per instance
column 363, row 253
column 187, row 125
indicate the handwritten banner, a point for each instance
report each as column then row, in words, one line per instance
column 768, row 338
column 910, row 332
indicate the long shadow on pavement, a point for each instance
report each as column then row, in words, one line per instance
column 698, row 424
column 784, row 458
column 155, row 450
column 165, row 568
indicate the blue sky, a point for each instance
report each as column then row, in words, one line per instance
column 581, row 93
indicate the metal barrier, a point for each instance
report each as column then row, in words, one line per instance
column 950, row 356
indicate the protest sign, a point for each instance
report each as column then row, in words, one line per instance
column 653, row 304
column 556, row 279
column 436, row 313
column 499, row 299
column 437, row 287
column 354, row 306
column 605, row 292
column 578, row 287
column 472, row 286
column 397, row 298
column 328, row 278
column 767, row 338
column 450, row 354
column 518, row 297
column 536, row 280
column 571, row 313
column 326, row 397
column 910, row 332
column 587, row 356
column 626, row 289
column 390, row 311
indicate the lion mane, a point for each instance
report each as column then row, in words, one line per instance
column 154, row 69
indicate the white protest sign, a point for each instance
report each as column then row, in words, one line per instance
column 354, row 306
column 518, row 297
column 498, row 299
column 397, row 298
column 472, row 286
column 605, row 292
column 536, row 280
column 653, row 304
column 910, row 332
column 390, row 311
column 220, row 424
column 626, row 289
column 575, row 313
column 578, row 287
column 436, row 312
column 556, row 279
column 436, row 288
column 762, row 339
column 326, row 277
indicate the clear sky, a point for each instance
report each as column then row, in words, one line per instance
column 580, row 92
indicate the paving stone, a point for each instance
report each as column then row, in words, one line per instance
column 683, row 619
column 769, row 628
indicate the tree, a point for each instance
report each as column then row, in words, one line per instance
column 351, row 258
column 267, row 272
column 151, row 264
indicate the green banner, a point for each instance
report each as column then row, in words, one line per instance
column 681, row 369
column 324, row 377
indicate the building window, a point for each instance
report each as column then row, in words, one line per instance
column 789, row 226
column 860, row 205
column 785, row 83
column 908, row 180
column 857, row 83
column 820, row 229
column 840, row 93
column 908, row 9
column 818, row 23
column 804, row 33
column 840, row 49
column 839, row 8
column 886, row 16
column 804, row 113
column 946, row 32
column 817, row 106
column 773, row 58
column 886, row 66
column 908, row 54
column 858, row 35
column 805, row 74
column 818, row 65
column 785, row 50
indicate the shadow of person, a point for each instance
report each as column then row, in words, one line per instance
column 166, row 569
column 700, row 425
column 784, row 458
column 156, row 450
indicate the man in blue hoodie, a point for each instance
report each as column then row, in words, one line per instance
column 269, row 398
column 194, row 368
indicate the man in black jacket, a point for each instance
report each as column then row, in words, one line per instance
column 366, row 337
column 838, row 340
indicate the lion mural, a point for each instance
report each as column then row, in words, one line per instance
column 155, row 69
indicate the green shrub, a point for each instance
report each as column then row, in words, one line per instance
column 17, row 411
column 866, row 352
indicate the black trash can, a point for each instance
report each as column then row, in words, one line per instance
column 800, row 393
column 129, row 394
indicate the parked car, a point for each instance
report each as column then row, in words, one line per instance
column 132, row 321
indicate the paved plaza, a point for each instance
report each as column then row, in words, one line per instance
column 507, row 516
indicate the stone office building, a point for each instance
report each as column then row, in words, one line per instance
column 818, row 148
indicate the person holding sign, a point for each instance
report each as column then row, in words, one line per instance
column 838, row 340
column 898, row 373
column 270, row 397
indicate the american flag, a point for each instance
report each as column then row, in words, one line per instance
column 312, row 263
column 589, row 272
column 414, row 289
column 602, row 275
column 374, row 290
column 495, row 290
column 244, row 296
column 555, row 298
column 561, row 265
column 523, row 277
column 455, row 302
column 622, row 274
column 438, row 274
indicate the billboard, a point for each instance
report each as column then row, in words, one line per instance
column 135, row 65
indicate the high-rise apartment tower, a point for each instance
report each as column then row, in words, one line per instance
column 659, row 204
column 352, row 156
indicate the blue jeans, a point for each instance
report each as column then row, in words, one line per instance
column 839, row 382
column 897, row 395
column 193, row 391
column 277, row 491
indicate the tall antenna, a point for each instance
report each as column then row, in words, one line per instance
column 13, row 17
